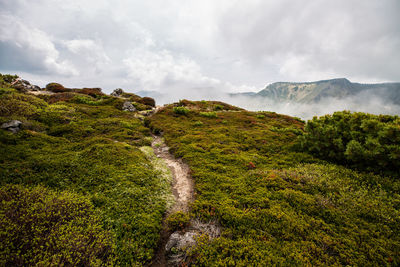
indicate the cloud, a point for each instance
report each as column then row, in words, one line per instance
column 29, row 49
column 311, row 40
column 194, row 48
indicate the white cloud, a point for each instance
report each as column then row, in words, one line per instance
column 35, row 46
column 177, row 45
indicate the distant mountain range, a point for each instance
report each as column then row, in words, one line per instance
column 314, row 92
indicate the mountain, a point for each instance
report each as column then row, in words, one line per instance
column 314, row 92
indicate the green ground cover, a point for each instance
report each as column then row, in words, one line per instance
column 276, row 205
column 92, row 149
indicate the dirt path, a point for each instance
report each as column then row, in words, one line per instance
column 182, row 189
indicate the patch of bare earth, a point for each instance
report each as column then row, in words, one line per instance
column 182, row 189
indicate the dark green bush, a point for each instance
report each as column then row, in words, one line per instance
column 365, row 141
column 40, row 227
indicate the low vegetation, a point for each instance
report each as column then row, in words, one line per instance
column 365, row 141
column 276, row 205
column 88, row 150
column 80, row 185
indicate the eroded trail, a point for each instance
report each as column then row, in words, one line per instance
column 182, row 181
column 182, row 189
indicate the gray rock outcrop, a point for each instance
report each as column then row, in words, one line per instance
column 12, row 126
column 128, row 106
column 117, row 92
column 24, row 86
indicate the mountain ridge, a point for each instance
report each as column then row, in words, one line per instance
column 312, row 92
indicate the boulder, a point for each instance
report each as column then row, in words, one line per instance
column 117, row 92
column 128, row 106
column 181, row 242
column 12, row 126
column 24, row 85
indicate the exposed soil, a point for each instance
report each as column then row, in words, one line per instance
column 182, row 188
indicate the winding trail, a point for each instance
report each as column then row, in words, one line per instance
column 182, row 189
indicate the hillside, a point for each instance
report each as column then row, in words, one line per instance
column 91, row 179
column 313, row 92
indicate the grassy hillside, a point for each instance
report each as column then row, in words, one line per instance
column 278, row 206
column 89, row 147
column 77, row 189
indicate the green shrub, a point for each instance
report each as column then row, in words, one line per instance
column 181, row 110
column 177, row 221
column 218, row 107
column 40, row 227
column 86, row 100
column 260, row 116
column 208, row 114
column 198, row 123
column 365, row 141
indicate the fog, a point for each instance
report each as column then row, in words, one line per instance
column 368, row 101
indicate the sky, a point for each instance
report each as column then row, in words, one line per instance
column 203, row 47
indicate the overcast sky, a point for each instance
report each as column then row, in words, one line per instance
column 207, row 45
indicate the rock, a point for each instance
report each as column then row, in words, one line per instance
column 178, row 245
column 147, row 112
column 117, row 92
column 24, row 86
column 36, row 88
column 181, row 242
column 12, row 126
column 128, row 106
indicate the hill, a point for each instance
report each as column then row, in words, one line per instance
column 88, row 179
column 314, row 92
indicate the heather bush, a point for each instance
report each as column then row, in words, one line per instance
column 41, row 227
column 148, row 101
column 93, row 92
column 56, row 88
column 60, row 97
